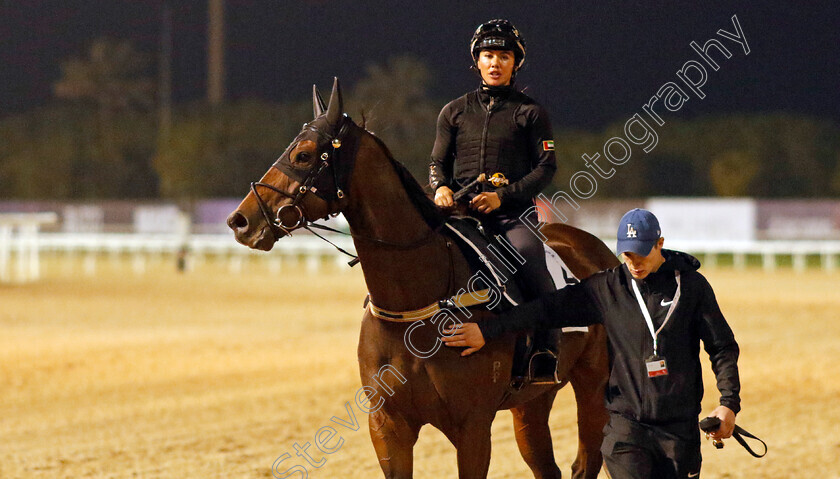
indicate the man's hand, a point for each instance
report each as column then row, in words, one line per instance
column 727, row 422
column 443, row 197
column 464, row 335
column 485, row 202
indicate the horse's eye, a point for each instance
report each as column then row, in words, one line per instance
column 303, row 157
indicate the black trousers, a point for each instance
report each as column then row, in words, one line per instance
column 633, row 450
column 533, row 275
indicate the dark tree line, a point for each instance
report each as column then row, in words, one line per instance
column 100, row 139
column 761, row 155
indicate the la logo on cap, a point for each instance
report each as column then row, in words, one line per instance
column 631, row 232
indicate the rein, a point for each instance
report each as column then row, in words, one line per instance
column 330, row 160
column 309, row 184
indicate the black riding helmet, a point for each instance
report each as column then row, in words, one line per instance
column 498, row 34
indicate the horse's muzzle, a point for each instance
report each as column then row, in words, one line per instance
column 249, row 233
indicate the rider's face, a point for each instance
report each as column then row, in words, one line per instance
column 496, row 66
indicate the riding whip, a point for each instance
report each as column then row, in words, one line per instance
column 496, row 179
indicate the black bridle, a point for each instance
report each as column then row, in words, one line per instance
column 307, row 182
column 313, row 182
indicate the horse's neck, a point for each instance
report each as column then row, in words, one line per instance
column 379, row 207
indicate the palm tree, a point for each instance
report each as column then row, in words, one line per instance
column 113, row 76
column 114, row 80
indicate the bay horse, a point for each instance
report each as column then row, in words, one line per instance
column 333, row 166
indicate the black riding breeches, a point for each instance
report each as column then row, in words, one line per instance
column 533, row 275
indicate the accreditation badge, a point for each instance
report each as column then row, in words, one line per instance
column 656, row 367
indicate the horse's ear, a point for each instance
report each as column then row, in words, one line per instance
column 318, row 107
column 336, row 107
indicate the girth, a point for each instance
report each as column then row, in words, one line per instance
column 463, row 300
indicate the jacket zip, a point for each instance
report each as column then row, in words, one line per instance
column 481, row 157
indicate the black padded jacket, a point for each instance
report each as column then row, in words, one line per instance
column 500, row 131
column 608, row 298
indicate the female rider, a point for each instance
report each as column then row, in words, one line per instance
column 498, row 129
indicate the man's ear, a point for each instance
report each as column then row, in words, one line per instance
column 660, row 242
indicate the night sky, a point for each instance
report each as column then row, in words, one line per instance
column 589, row 63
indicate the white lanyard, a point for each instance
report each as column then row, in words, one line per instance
column 646, row 313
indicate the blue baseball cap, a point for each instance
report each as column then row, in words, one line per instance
column 638, row 232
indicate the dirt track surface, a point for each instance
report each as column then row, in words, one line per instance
column 212, row 374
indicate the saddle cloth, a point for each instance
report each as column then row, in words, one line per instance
column 562, row 276
column 486, row 258
column 492, row 255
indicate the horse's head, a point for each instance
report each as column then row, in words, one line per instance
column 306, row 183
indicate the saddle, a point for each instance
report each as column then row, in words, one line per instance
column 487, row 256
column 494, row 259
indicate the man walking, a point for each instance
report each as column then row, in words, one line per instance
column 656, row 309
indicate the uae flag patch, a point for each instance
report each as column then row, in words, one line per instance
column 548, row 145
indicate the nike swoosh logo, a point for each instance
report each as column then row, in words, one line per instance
column 694, row 475
column 663, row 303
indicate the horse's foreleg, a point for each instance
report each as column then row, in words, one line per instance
column 589, row 377
column 473, row 445
column 530, row 424
column 393, row 439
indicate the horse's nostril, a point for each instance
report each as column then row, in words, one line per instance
column 237, row 221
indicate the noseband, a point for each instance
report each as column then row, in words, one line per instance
column 277, row 225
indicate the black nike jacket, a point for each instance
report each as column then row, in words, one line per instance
column 608, row 298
